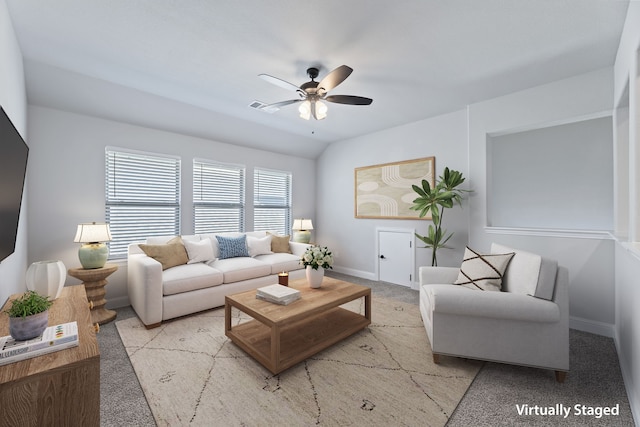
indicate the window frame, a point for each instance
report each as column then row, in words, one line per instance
column 263, row 203
column 136, row 205
column 217, row 204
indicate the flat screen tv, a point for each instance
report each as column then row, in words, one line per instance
column 13, row 168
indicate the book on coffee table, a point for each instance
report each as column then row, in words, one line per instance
column 278, row 294
column 54, row 338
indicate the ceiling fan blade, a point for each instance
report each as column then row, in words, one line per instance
column 283, row 103
column 334, row 78
column 349, row 99
column 279, row 82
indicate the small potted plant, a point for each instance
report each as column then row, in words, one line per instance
column 316, row 259
column 28, row 316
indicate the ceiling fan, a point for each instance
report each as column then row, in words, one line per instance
column 312, row 93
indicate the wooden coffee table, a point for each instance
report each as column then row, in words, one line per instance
column 282, row 335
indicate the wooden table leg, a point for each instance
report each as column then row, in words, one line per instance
column 367, row 306
column 227, row 316
column 275, row 348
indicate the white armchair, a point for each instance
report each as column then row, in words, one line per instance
column 527, row 323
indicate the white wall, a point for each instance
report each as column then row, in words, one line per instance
column 627, row 100
column 14, row 101
column 589, row 256
column 66, row 179
column 572, row 170
column 354, row 240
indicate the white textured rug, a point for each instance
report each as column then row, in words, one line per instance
column 192, row 374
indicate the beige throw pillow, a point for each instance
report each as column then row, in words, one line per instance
column 280, row 244
column 169, row 255
column 483, row 271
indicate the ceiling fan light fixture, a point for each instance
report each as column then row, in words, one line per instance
column 305, row 110
column 321, row 110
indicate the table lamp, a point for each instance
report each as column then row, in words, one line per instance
column 301, row 230
column 93, row 253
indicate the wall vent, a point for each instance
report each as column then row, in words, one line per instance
column 259, row 105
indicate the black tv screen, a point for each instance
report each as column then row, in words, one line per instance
column 13, row 168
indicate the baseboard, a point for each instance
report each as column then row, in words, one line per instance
column 118, row 302
column 627, row 378
column 592, row 326
column 357, row 273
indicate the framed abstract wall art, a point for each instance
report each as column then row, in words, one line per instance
column 384, row 191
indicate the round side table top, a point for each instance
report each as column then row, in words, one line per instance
column 93, row 274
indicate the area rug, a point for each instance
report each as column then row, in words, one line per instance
column 191, row 374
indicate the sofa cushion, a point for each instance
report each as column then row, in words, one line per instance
column 241, row 268
column 169, row 255
column 482, row 271
column 185, row 278
column 231, row 247
column 523, row 272
column 280, row 244
column 199, row 251
column 259, row 246
column 281, row 262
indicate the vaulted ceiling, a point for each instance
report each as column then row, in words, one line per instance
column 192, row 66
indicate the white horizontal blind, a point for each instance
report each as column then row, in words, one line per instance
column 218, row 197
column 272, row 200
column 142, row 197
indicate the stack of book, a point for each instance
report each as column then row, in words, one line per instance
column 53, row 338
column 278, row 294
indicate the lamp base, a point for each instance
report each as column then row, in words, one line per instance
column 93, row 255
column 302, row 236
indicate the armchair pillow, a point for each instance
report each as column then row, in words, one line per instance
column 482, row 272
column 169, row 255
column 232, row 247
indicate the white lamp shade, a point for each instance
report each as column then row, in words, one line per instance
column 302, row 224
column 92, row 233
column 46, row 278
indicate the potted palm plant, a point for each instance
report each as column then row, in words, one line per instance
column 434, row 201
column 28, row 316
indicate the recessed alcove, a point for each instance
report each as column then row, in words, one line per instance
column 557, row 177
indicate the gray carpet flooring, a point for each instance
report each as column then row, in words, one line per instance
column 493, row 399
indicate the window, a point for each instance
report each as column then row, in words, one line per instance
column 142, row 197
column 218, row 197
column 272, row 201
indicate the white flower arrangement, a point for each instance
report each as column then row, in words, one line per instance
column 317, row 256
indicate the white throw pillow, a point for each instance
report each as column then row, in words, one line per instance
column 200, row 251
column 482, row 272
column 259, row 246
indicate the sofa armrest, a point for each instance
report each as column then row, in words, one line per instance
column 438, row 275
column 144, row 283
column 298, row 248
column 460, row 301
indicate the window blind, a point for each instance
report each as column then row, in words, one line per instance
column 272, row 200
column 142, row 197
column 218, row 197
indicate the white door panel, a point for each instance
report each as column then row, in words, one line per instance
column 395, row 257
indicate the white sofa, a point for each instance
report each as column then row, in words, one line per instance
column 526, row 323
column 158, row 294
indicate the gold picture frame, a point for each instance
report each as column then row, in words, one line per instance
column 384, row 191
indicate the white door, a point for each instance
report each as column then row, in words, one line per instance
column 396, row 257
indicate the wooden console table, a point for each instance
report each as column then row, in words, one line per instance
column 94, row 281
column 59, row 388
